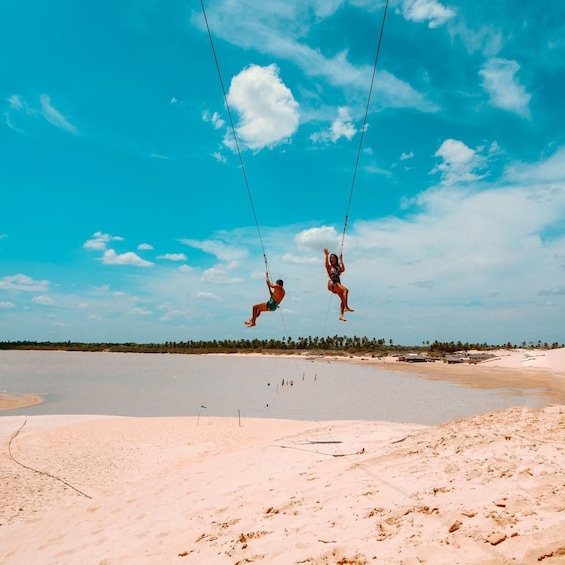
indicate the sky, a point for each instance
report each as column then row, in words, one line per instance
column 126, row 214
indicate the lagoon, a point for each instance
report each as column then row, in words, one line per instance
column 250, row 386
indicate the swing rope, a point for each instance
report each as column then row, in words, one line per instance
column 363, row 128
column 359, row 149
column 235, row 139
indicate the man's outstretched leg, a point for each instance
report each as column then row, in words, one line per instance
column 255, row 313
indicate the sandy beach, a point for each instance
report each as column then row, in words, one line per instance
column 521, row 369
column 487, row 489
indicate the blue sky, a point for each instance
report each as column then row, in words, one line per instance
column 125, row 215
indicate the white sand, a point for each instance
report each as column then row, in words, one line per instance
column 484, row 490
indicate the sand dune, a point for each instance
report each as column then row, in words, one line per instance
column 488, row 489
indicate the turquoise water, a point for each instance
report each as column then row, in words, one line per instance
column 132, row 384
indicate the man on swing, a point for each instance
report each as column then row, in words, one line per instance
column 277, row 293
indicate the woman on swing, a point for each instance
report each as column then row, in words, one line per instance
column 335, row 267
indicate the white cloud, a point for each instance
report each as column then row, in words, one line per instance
column 44, row 300
column 16, row 102
column 405, row 156
column 22, row 282
column 316, row 239
column 220, row 158
column 431, row 11
column 268, row 112
column 342, row 126
column 504, row 89
column 295, row 259
column 466, row 244
column 110, row 257
column 53, row 116
column 206, row 296
column 374, row 170
column 17, row 106
column 214, row 118
column 6, row 304
column 185, row 269
column 100, row 240
column 281, row 32
column 140, row 311
column 217, row 248
column 145, row 247
column 549, row 170
column 459, row 162
column 173, row 256
column 220, row 274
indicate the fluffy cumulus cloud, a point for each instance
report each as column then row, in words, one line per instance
column 99, row 241
column 110, row 257
column 466, row 245
column 316, row 239
column 23, row 282
column 459, row 162
column 430, row 11
column 505, row 91
column 145, row 247
column 221, row 274
column 173, row 257
column 7, row 304
column 267, row 110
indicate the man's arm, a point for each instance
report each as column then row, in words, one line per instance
column 270, row 285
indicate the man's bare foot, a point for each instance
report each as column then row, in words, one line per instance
column 249, row 323
column 349, row 309
column 342, row 319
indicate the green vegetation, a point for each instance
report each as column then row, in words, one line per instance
column 336, row 344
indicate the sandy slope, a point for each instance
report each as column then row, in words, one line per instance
column 488, row 490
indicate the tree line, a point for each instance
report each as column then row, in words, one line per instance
column 335, row 344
